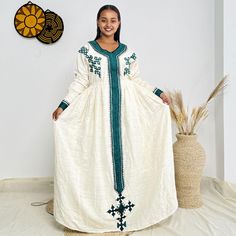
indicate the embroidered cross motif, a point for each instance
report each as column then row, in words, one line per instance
column 128, row 62
column 120, row 210
column 94, row 62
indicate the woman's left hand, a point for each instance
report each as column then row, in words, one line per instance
column 165, row 98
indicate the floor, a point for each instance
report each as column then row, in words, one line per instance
column 217, row 216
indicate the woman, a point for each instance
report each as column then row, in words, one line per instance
column 114, row 162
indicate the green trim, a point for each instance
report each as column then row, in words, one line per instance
column 122, row 47
column 116, row 137
column 64, row 104
column 115, row 110
column 157, row 91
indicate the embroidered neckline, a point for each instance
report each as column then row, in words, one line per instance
column 105, row 52
column 106, row 49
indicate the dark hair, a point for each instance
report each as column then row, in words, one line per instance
column 114, row 8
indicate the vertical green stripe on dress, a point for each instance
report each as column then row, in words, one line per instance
column 116, row 136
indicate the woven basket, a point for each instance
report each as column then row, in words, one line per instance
column 49, row 207
column 189, row 159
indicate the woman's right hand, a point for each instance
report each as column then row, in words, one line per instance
column 57, row 113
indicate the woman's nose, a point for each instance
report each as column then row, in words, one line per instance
column 108, row 24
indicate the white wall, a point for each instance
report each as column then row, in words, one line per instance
column 230, row 96
column 175, row 43
column 219, row 74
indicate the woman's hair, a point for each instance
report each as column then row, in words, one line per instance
column 115, row 9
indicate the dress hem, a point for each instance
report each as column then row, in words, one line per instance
column 130, row 230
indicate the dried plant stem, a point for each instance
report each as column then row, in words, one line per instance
column 186, row 122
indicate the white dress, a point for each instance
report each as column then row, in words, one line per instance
column 114, row 167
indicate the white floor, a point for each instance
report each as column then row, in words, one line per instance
column 217, row 217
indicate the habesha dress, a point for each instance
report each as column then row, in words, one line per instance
column 114, row 167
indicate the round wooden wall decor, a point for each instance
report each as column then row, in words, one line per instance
column 29, row 20
column 53, row 28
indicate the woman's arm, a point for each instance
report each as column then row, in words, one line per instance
column 80, row 82
column 135, row 76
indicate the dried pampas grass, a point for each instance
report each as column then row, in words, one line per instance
column 186, row 122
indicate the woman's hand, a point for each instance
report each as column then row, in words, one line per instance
column 165, row 98
column 57, row 113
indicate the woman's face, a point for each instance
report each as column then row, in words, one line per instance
column 108, row 22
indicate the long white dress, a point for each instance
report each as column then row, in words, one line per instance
column 114, row 168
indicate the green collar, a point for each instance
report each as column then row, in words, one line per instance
column 105, row 52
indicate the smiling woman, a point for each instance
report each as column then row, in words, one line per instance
column 108, row 24
column 108, row 177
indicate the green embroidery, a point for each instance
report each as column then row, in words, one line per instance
column 120, row 211
column 128, row 62
column 94, row 62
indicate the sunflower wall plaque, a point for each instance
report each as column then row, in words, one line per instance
column 32, row 21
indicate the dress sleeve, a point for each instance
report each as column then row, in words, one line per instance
column 80, row 82
column 135, row 76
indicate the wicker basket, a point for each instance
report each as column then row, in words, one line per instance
column 189, row 159
column 49, row 207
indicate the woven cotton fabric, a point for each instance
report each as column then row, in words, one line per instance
column 114, row 167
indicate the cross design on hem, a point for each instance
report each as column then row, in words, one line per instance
column 120, row 210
